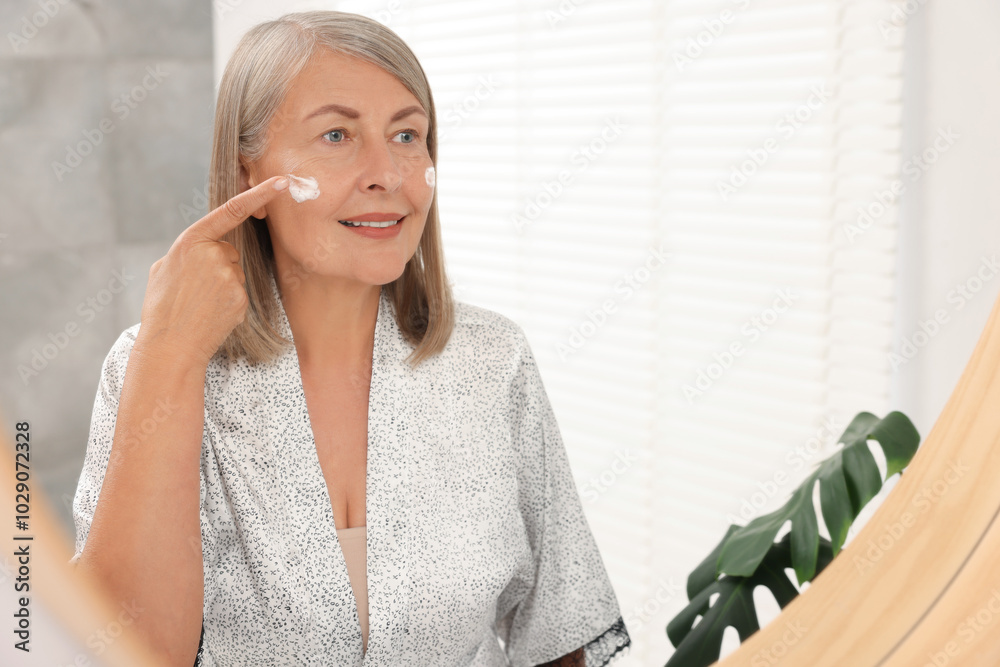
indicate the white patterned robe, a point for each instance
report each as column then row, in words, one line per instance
column 478, row 551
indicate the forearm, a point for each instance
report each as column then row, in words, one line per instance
column 144, row 543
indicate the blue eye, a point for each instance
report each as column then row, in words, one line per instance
column 415, row 136
column 412, row 132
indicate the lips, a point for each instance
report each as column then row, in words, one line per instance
column 373, row 217
column 347, row 223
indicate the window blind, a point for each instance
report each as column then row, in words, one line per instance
column 670, row 198
column 780, row 120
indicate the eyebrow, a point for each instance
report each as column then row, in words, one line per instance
column 353, row 113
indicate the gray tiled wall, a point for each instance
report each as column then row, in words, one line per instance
column 105, row 134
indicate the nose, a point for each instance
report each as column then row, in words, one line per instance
column 378, row 167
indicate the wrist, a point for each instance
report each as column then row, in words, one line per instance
column 160, row 348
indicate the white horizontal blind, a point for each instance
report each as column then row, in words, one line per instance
column 583, row 142
column 781, row 119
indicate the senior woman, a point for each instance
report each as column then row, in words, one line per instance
column 306, row 452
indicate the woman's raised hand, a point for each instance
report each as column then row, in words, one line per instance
column 197, row 292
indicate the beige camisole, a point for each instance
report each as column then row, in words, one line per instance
column 354, row 544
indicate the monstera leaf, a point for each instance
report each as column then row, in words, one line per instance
column 848, row 480
column 748, row 556
column 699, row 645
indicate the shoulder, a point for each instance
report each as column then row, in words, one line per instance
column 488, row 330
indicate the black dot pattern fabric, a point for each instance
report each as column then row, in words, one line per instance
column 479, row 553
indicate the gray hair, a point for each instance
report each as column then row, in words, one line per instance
column 253, row 86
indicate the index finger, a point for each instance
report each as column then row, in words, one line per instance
column 236, row 210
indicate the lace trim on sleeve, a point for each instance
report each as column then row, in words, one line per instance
column 201, row 648
column 612, row 643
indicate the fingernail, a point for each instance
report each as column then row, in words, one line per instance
column 281, row 184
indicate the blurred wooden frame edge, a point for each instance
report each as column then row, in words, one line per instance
column 908, row 589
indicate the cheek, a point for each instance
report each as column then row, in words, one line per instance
column 306, row 168
column 328, row 179
column 421, row 188
column 420, row 177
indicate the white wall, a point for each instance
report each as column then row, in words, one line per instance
column 951, row 215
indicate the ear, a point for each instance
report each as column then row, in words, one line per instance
column 247, row 181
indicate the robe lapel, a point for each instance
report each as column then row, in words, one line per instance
column 312, row 536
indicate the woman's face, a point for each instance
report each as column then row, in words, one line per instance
column 367, row 164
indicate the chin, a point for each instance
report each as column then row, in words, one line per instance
column 383, row 277
column 378, row 273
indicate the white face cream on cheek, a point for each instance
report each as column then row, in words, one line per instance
column 430, row 176
column 302, row 189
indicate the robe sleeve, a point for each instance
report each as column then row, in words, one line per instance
column 565, row 601
column 102, row 432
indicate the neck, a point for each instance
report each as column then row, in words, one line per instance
column 332, row 319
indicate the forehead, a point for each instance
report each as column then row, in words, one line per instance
column 331, row 77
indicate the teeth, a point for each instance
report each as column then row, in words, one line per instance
column 388, row 223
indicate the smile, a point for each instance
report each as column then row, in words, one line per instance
column 389, row 223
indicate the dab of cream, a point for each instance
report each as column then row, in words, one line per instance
column 302, row 189
column 430, row 176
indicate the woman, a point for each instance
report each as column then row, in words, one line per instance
column 306, row 452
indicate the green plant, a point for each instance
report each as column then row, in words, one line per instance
column 748, row 556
